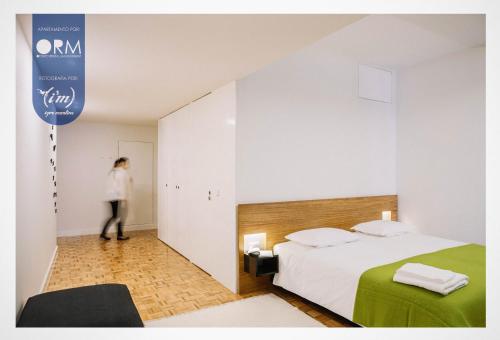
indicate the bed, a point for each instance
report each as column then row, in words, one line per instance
column 354, row 280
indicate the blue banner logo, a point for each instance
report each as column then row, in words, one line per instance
column 58, row 66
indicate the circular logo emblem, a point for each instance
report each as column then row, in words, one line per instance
column 43, row 46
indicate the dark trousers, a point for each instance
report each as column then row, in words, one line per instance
column 118, row 213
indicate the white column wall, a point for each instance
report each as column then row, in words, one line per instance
column 303, row 132
column 35, row 216
column 441, row 146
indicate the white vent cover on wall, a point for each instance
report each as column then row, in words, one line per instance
column 375, row 84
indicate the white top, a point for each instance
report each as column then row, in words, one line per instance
column 329, row 276
column 118, row 185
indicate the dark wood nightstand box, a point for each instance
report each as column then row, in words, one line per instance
column 259, row 265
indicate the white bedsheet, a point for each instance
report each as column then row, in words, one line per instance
column 329, row 276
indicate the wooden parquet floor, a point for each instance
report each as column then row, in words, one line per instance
column 161, row 281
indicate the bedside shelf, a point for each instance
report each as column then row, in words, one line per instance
column 260, row 266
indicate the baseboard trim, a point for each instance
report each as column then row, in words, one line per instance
column 46, row 277
column 82, row 232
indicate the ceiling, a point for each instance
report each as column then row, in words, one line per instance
column 141, row 67
column 399, row 41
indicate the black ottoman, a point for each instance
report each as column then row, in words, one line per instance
column 107, row 305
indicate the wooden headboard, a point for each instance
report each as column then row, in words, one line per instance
column 282, row 218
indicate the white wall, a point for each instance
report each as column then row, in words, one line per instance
column 35, row 217
column 86, row 152
column 303, row 133
column 441, row 146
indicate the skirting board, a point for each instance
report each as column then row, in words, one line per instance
column 46, row 277
column 93, row 231
column 44, row 282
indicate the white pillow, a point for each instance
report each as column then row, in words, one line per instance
column 322, row 237
column 384, row 228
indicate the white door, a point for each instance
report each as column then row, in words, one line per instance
column 214, row 201
column 172, row 165
column 200, row 155
column 176, row 136
column 184, row 172
column 140, row 155
column 162, row 207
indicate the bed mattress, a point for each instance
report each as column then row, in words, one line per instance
column 329, row 276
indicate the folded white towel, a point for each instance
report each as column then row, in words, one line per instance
column 266, row 253
column 457, row 281
column 424, row 272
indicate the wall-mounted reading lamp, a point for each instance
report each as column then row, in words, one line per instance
column 386, row 215
column 252, row 242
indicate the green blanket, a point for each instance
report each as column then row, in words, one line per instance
column 380, row 302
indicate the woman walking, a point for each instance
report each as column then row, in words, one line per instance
column 118, row 189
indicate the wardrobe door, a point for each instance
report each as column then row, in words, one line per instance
column 177, row 160
column 220, row 229
column 185, row 172
column 212, row 211
column 198, row 197
column 172, row 175
column 162, row 204
column 217, row 229
column 208, row 161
